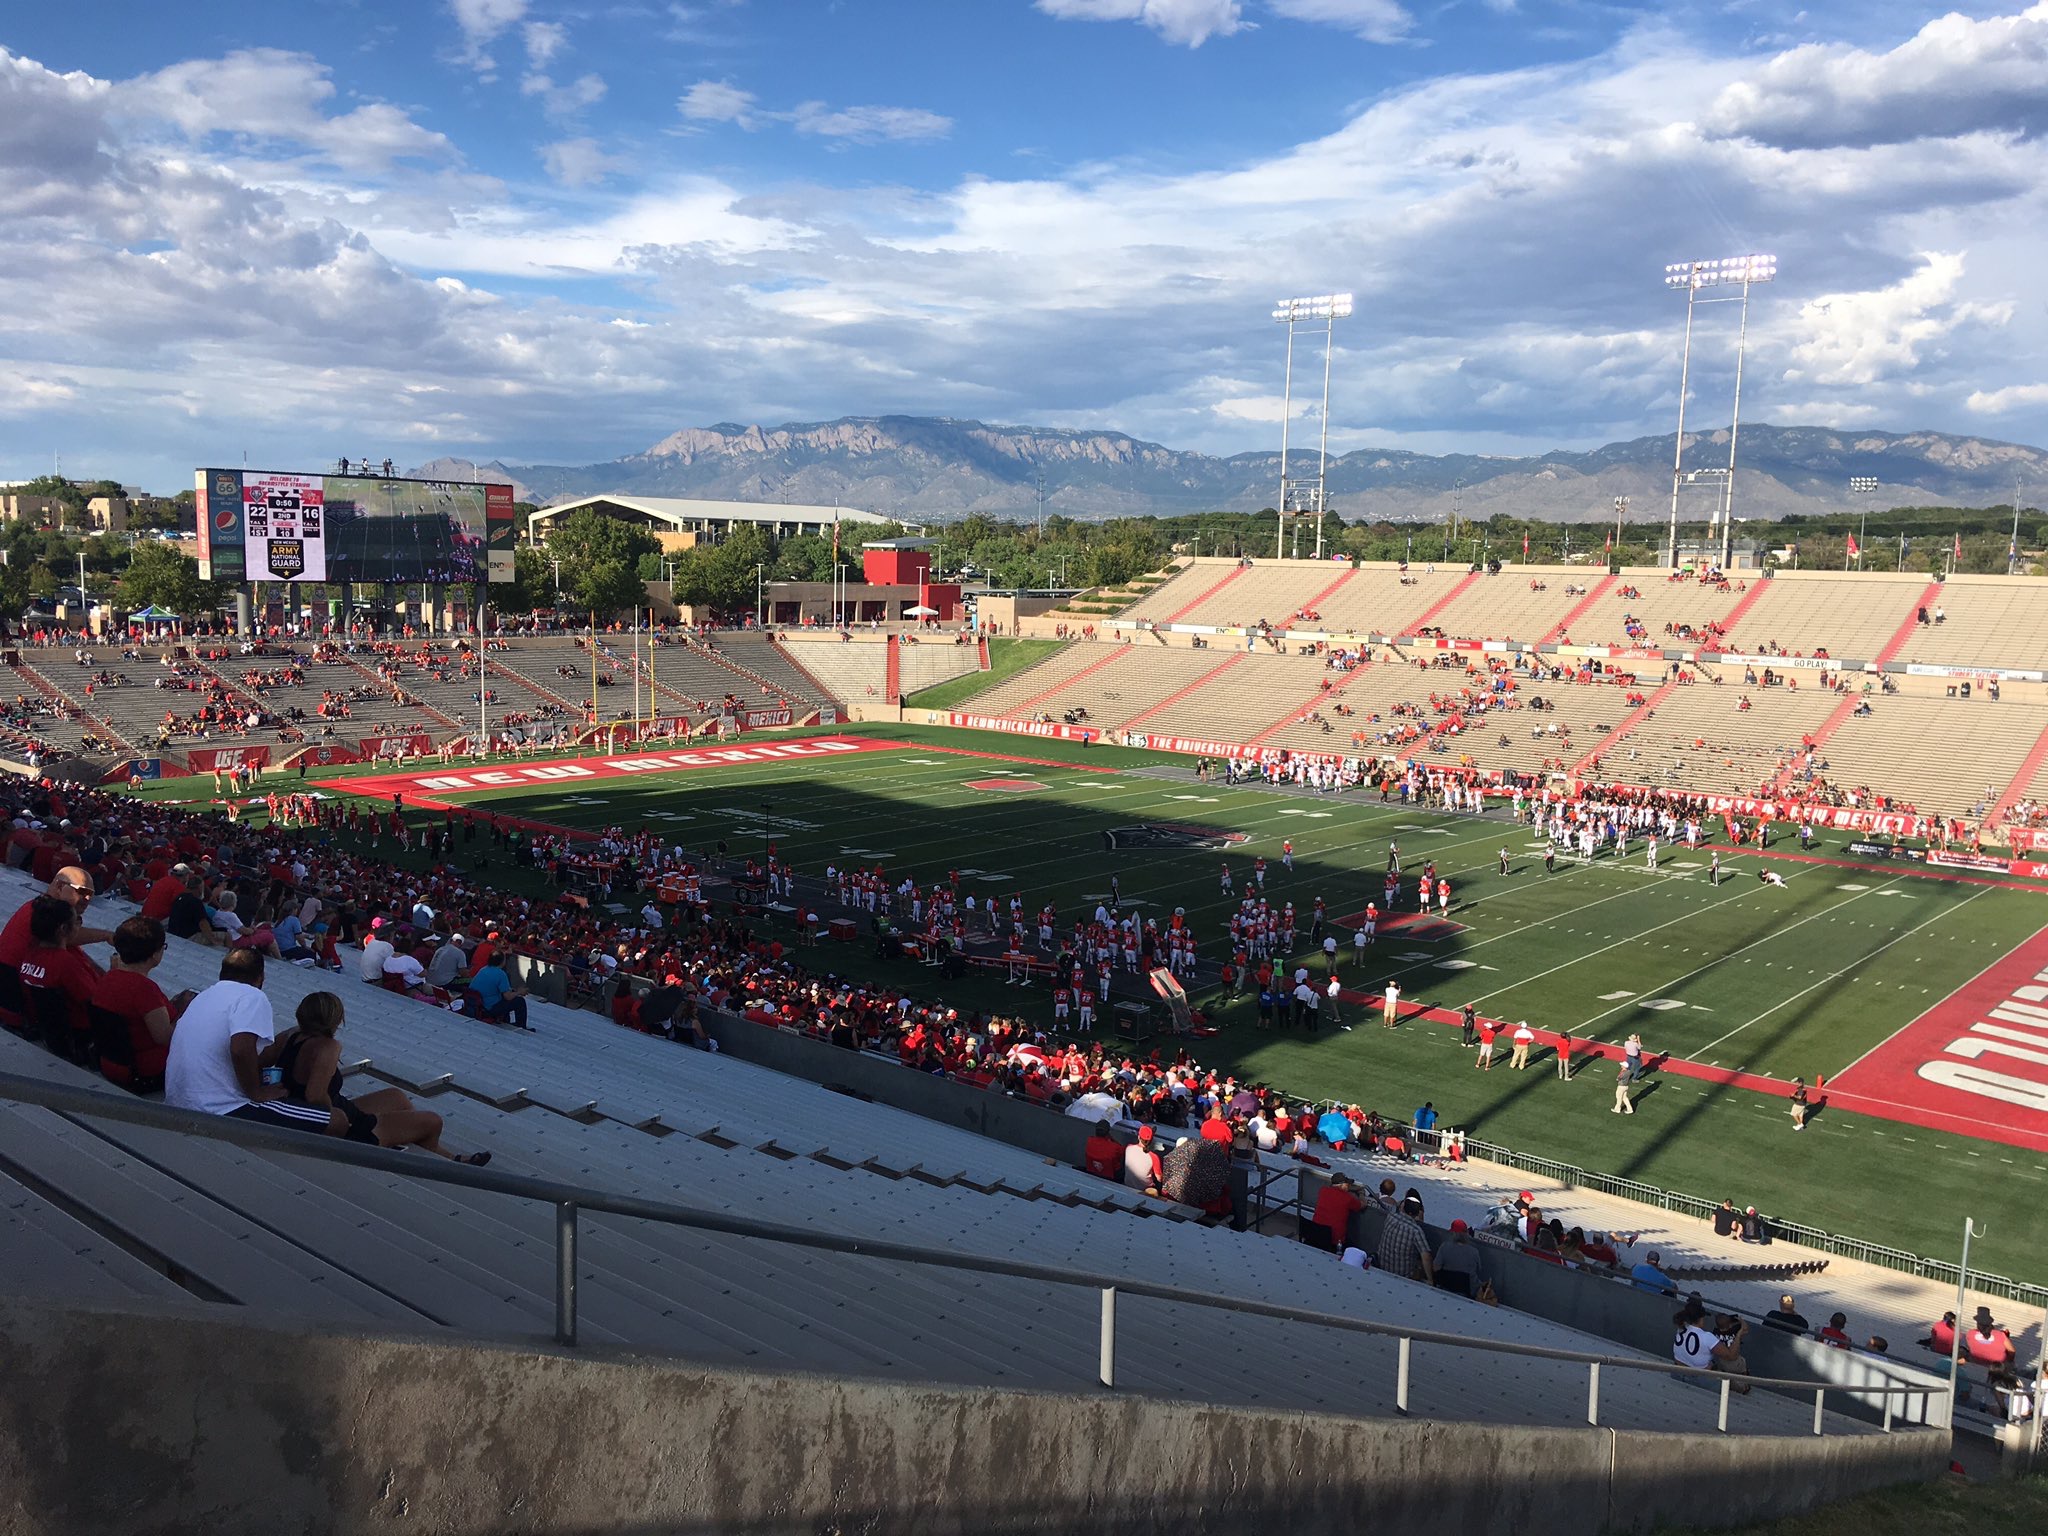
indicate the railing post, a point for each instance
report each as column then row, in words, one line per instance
column 1819, row 1396
column 565, row 1273
column 1106, row 1368
column 1889, row 1400
column 1593, row 1393
column 1401, row 1378
column 1722, row 1423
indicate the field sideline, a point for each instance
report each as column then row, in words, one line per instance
column 1749, row 982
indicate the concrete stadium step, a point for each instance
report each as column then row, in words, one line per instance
column 46, row 1252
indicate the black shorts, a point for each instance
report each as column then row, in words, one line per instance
column 290, row 1117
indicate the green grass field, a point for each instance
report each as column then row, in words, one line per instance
column 1799, row 980
column 1005, row 659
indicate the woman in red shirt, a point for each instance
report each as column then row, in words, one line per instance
column 127, row 992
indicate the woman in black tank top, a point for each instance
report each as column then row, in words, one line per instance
column 310, row 1056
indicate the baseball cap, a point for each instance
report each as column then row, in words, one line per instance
column 1144, row 1133
column 1461, row 1225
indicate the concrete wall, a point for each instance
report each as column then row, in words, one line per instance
column 204, row 1420
column 1612, row 1309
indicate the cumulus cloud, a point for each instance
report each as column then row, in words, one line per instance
column 1997, row 402
column 579, row 162
column 717, row 101
column 1958, row 75
column 544, row 39
column 564, row 102
column 482, row 22
column 1188, row 22
column 1862, row 338
column 269, row 97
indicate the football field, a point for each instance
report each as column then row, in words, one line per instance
column 1736, row 988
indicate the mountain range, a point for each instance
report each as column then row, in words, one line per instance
column 931, row 469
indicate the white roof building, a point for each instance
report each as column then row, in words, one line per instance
column 709, row 521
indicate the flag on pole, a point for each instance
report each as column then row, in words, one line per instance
column 1957, row 552
column 1854, row 552
column 1610, row 543
column 1525, row 545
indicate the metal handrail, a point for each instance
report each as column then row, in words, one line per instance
column 570, row 1200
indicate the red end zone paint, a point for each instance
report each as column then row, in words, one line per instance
column 1976, row 1063
column 426, row 788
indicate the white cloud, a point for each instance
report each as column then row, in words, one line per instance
column 1957, row 75
column 269, row 96
column 579, row 162
column 544, row 39
column 1377, row 21
column 1858, row 339
column 482, row 22
column 1996, row 402
column 717, row 101
column 1190, row 22
column 564, row 102
column 866, row 124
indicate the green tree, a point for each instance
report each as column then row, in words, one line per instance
column 803, row 557
column 160, row 574
column 600, row 559
column 721, row 576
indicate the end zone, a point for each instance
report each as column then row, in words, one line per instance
column 1976, row 1063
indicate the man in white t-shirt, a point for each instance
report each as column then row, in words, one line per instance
column 220, row 1047
column 1390, row 1006
column 376, row 951
column 1524, row 1037
column 404, row 966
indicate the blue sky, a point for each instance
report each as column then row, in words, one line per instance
column 553, row 233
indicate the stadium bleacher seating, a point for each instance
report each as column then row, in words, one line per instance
column 1849, row 615
column 582, row 1101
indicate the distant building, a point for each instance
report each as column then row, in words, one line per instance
column 680, row 523
column 18, row 507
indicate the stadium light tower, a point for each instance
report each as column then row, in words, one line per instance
column 1731, row 271
column 1321, row 312
column 1862, row 487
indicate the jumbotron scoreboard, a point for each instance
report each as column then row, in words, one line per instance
column 276, row 525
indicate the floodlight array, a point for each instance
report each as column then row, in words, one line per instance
column 1729, row 269
column 1863, row 482
column 1328, row 306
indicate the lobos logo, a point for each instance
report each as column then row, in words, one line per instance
column 1160, row 834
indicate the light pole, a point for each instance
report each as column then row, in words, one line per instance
column 759, row 621
column 1862, row 487
column 1692, row 276
column 2012, row 550
column 1327, row 309
column 1955, row 1345
column 1620, row 517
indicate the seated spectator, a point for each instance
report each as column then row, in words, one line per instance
column 492, row 996
column 1753, row 1228
column 219, row 1050
column 449, row 962
column 1457, row 1261
column 165, row 890
column 1941, row 1338
column 1727, row 1220
column 187, row 918
column 1403, row 1248
column 128, row 992
column 402, row 972
column 224, row 914
column 309, row 1057
column 1786, row 1318
column 1329, row 1228
column 1836, row 1334
column 1598, row 1250
column 1648, row 1276
column 1143, row 1168
column 1985, row 1344
column 55, row 965
column 72, row 886
column 288, row 935
column 1103, row 1154
column 377, row 948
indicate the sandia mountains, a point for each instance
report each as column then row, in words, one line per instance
column 930, row 469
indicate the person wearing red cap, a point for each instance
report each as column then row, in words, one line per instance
column 1143, row 1168
column 1457, row 1261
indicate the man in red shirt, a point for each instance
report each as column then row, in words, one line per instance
column 1335, row 1207
column 164, row 892
column 53, row 965
column 129, row 992
column 74, row 887
column 1216, row 1128
column 1103, row 1155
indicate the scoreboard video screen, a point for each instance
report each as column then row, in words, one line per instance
column 276, row 525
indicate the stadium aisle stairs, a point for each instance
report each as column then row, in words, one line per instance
column 1948, row 756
